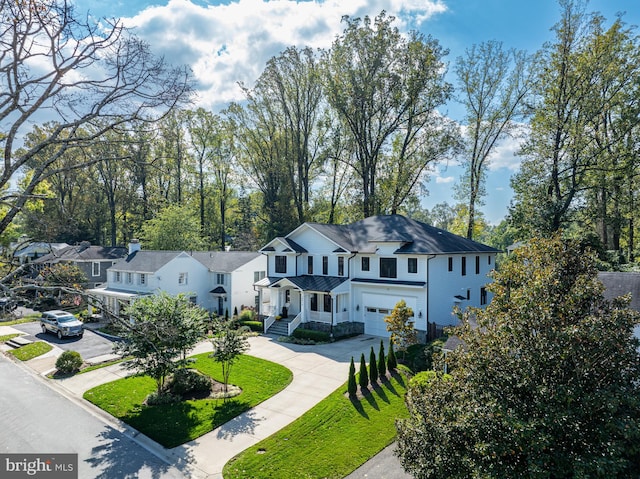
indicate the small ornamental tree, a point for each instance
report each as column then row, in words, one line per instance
column 392, row 363
column 162, row 329
column 548, row 384
column 363, row 377
column 400, row 325
column 352, row 386
column 373, row 367
column 382, row 362
column 228, row 344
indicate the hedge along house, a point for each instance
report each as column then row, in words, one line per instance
column 347, row 278
column 218, row 281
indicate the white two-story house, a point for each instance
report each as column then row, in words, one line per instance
column 349, row 277
column 218, row 281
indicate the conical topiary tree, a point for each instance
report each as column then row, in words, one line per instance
column 373, row 367
column 352, row 387
column 382, row 362
column 363, row 378
column 392, row 363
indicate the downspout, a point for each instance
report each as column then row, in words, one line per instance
column 350, row 288
column 426, row 315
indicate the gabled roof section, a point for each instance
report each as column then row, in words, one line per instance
column 418, row 238
column 145, row 261
column 225, row 261
column 415, row 237
column 289, row 245
column 84, row 252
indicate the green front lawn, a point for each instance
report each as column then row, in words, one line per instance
column 7, row 337
column 175, row 424
column 329, row 441
column 30, row 351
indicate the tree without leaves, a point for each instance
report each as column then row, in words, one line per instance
column 162, row 329
column 529, row 397
column 83, row 73
column 493, row 84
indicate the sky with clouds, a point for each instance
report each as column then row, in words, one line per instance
column 229, row 42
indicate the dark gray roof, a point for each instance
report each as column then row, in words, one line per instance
column 418, row 238
column 218, row 290
column 224, row 261
column 618, row 284
column 316, row 283
column 291, row 245
column 84, row 252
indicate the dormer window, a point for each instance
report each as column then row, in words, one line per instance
column 281, row 264
column 116, row 276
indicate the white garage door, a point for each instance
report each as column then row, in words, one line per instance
column 377, row 307
column 374, row 321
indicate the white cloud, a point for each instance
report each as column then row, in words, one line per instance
column 445, row 179
column 504, row 155
column 231, row 43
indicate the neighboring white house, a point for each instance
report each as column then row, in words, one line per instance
column 351, row 276
column 218, row 281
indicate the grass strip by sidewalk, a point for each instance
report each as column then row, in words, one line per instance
column 30, row 351
column 330, row 440
column 175, row 424
column 7, row 337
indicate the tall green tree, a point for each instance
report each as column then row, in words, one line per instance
column 384, row 87
column 528, row 396
column 493, row 83
column 578, row 126
column 175, row 228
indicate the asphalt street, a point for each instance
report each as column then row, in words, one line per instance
column 90, row 345
column 36, row 419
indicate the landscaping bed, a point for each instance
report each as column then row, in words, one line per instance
column 175, row 424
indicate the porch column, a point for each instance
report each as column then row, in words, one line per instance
column 303, row 306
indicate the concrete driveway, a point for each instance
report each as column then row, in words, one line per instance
column 89, row 346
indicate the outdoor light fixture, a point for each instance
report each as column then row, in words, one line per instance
column 419, row 314
column 358, row 308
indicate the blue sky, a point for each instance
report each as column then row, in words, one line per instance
column 226, row 42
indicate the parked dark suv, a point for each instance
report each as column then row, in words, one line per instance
column 61, row 323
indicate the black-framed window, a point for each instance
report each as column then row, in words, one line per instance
column 340, row 266
column 287, row 295
column 463, row 266
column 364, row 263
column 327, row 303
column 388, row 268
column 450, row 263
column 310, row 265
column 468, row 294
column 412, row 265
column 325, row 265
column 281, row 264
column 483, row 295
column 477, row 264
column 314, row 302
column 489, row 259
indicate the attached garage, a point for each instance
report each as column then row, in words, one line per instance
column 377, row 307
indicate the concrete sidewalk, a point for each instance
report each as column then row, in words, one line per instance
column 317, row 372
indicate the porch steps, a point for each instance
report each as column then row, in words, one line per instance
column 279, row 328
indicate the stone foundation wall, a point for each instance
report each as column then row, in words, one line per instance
column 339, row 330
